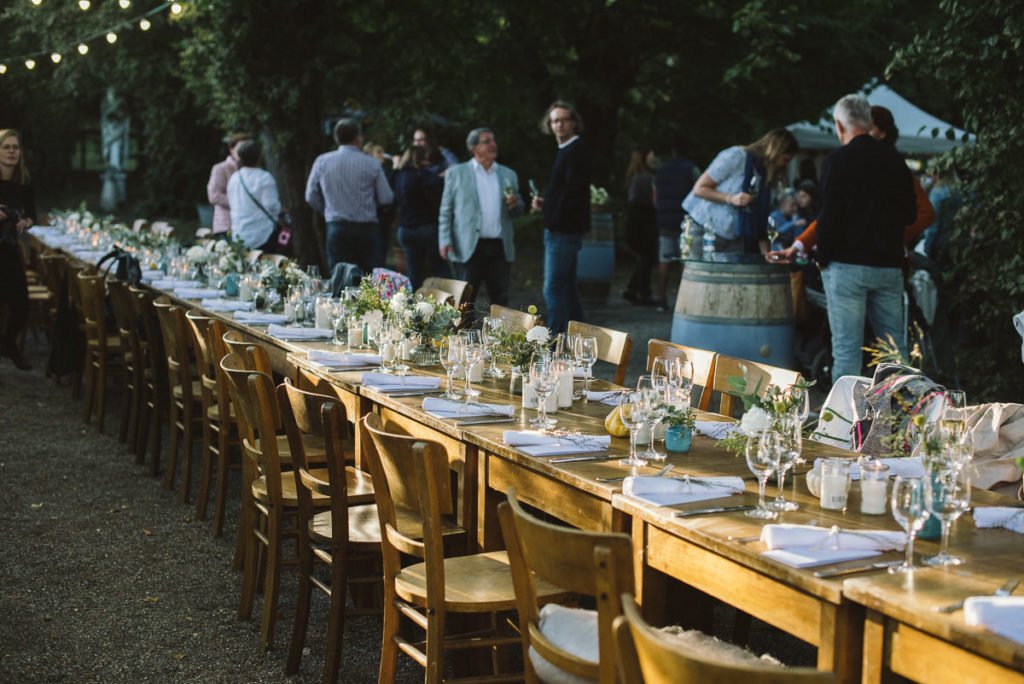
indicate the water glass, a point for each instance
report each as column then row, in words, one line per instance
column 491, row 329
column 472, row 354
column 633, row 414
column 791, row 436
column 450, row 354
column 544, row 374
column 910, row 510
column 763, row 450
column 950, row 490
column 585, row 354
column 655, row 392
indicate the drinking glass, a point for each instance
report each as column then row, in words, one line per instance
column 773, row 232
column 655, row 392
column 472, row 353
column 954, row 413
column 950, row 498
column 762, row 453
column 791, row 436
column 544, row 379
column 387, row 347
column 633, row 413
column 313, row 271
column 490, row 331
column 450, row 353
column 910, row 510
column 586, row 356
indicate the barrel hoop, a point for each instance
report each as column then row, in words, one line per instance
column 732, row 279
column 718, row 320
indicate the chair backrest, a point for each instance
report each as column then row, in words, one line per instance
column 274, row 259
column 215, row 331
column 648, row 655
column 138, row 225
column 703, row 365
column 162, row 228
column 595, row 564
column 460, row 290
column 254, row 395
column 613, row 346
column 439, row 296
column 153, row 349
column 198, row 324
column 513, row 316
column 175, row 333
column 759, row 377
column 255, row 355
column 92, row 291
column 128, row 323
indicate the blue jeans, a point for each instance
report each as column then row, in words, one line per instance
column 853, row 293
column 422, row 257
column 561, row 291
column 353, row 243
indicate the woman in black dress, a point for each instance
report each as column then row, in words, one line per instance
column 17, row 212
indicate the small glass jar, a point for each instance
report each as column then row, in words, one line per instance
column 835, row 483
column 874, row 484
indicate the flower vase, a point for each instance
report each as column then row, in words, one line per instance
column 231, row 283
column 515, row 381
column 199, row 274
column 678, row 439
column 423, row 355
column 932, row 528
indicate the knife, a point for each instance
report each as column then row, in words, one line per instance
column 711, row 511
column 406, row 393
column 484, row 421
column 573, row 459
column 838, row 572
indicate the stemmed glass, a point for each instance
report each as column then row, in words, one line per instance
column 633, row 413
column 472, row 353
column 773, row 232
column 791, row 443
column 655, row 392
column 763, row 452
column 954, row 413
column 950, row 498
column 387, row 348
column 910, row 509
column 450, row 352
column 490, row 329
column 544, row 379
column 585, row 353
column 752, row 191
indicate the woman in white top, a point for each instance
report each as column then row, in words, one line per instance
column 253, row 198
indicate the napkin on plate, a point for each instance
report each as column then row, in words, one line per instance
column 446, row 408
column 294, row 333
column 342, row 359
column 383, row 382
column 197, row 292
column 716, row 429
column 1000, row 516
column 1003, row 615
column 786, row 536
column 225, row 305
column 259, row 318
column 537, row 443
column 152, row 274
column 608, row 398
column 582, row 373
column 810, row 556
column 904, row 467
column 171, row 283
column 669, row 491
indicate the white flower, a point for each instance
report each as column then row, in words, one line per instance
column 399, row 300
column 538, row 334
column 424, row 310
column 221, row 246
column 755, row 420
column 196, row 254
column 375, row 317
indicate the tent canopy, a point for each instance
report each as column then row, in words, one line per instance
column 921, row 134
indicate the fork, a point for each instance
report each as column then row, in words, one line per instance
column 661, row 473
column 1005, row 590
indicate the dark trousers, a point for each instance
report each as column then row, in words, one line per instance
column 13, row 295
column 354, row 243
column 421, row 253
column 487, row 266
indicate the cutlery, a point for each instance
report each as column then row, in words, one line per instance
column 745, row 540
column 483, row 421
column 573, row 459
column 404, row 393
column 838, row 572
column 1005, row 590
column 712, row 511
column 347, row 369
column 661, row 473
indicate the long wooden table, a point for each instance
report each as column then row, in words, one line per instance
column 866, row 626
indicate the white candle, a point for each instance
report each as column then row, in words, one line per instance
column 323, row 315
column 244, row 291
column 387, row 352
column 565, row 389
column 643, row 435
column 530, row 399
column 355, row 336
column 872, row 497
column 476, row 373
column 289, row 310
column 833, row 492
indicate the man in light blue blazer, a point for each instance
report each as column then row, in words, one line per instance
column 475, row 226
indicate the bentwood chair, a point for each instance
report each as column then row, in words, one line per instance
column 134, row 360
column 758, row 377
column 103, row 348
column 439, row 296
column 652, row 656
column 514, row 317
column 410, row 477
column 613, row 346
column 460, row 290
column 224, row 416
column 154, row 389
column 74, row 268
column 703, row 365
column 594, row 564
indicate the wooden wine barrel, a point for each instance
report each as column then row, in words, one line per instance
column 595, row 264
column 739, row 309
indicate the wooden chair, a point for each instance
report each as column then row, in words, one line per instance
column 162, row 228
column 649, row 655
column 154, row 389
column 460, row 290
column 703, row 365
column 613, row 346
column 133, row 358
column 410, row 475
column 185, row 393
column 345, row 535
column 138, row 224
column 226, row 420
column 74, row 268
column 103, row 348
column 759, row 377
column 274, row 259
column 439, row 296
column 514, row 316
column 593, row 564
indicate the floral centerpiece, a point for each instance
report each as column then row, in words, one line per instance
column 375, row 293
column 517, row 347
column 422, row 317
column 762, row 410
column 230, row 255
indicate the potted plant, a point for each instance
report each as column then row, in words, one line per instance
column 679, row 424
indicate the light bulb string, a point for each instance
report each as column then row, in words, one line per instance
column 71, row 45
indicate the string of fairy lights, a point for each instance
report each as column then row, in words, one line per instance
column 142, row 22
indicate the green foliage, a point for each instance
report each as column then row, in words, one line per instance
column 975, row 52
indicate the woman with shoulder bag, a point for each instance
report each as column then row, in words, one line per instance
column 17, row 213
column 255, row 204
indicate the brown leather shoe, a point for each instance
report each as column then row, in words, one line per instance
column 17, row 358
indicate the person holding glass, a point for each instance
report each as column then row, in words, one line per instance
column 17, row 214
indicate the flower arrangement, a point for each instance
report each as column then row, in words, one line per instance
column 375, row 293
column 518, row 346
column 680, row 417
column 283, row 276
column 197, row 255
column 598, row 196
column 230, row 255
column 421, row 315
column 761, row 409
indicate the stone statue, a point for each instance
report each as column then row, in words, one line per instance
column 115, row 125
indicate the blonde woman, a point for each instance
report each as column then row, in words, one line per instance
column 17, row 213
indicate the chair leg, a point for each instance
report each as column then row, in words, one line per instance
column 336, row 616
column 172, row 445
column 156, row 437
column 388, row 647
column 89, row 391
column 101, row 393
column 302, row 610
column 140, row 440
column 435, row 647
column 272, row 581
column 205, row 468
column 246, row 518
column 250, row 572
column 221, row 492
column 186, row 459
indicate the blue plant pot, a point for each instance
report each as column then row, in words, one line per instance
column 932, row 528
column 678, row 439
column 231, row 284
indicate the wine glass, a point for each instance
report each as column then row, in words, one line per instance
column 950, row 498
column 472, row 353
column 763, row 450
column 387, row 348
column 450, row 352
column 954, row 413
column 544, row 379
column 791, row 435
column 752, row 190
column 490, row 332
column 773, row 231
column 655, row 392
column 633, row 413
column 910, row 510
column 586, row 355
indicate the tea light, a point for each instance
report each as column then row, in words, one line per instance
column 874, row 479
column 565, row 388
column 835, row 483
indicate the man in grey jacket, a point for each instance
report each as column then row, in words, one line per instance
column 475, row 226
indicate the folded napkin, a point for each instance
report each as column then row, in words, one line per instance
column 537, row 443
column 294, row 333
column 904, row 467
column 608, row 398
column 171, row 283
column 716, row 429
column 446, row 408
column 198, row 292
column 342, row 359
column 225, row 305
column 1003, row 615
column 669, row 491
column 810, row 556
column 152, row 274
column 88, row 255
column 582, row 373
column 259, row 318
column 786, row 536
column 383, row 382
column 1000, row 516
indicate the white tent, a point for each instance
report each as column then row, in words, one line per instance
column 921, row 134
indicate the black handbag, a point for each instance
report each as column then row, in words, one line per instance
column 125, row 266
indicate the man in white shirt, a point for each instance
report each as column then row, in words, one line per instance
column 252, row 195
column 475, row 225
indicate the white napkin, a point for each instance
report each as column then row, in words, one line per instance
column 446, row 408
column 1000, row 516
column 341, row 359
column 171, row 283
column 607, row 398
column 904, row 467
column 1003, row 615
column 716, row 429
column 88, row 255
column 152, row 273
column 198, row 292
column 382, row 382
column 259, row 318
column 669, row 491
column 582, row 373
column 788, row 536
column 537, row 443
column 809, row 556
column 225, row 305
column 289, row 333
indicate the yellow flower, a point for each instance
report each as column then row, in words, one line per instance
column 532, row 310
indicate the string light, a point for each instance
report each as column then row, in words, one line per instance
column 37, row 3
column 84, row 5
column 83, row 49
column 3, row 69
column 55, row 57
column 30, row 64
column 144, row 24
column 176, row 8
column 111, row 37
column 125, row 4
